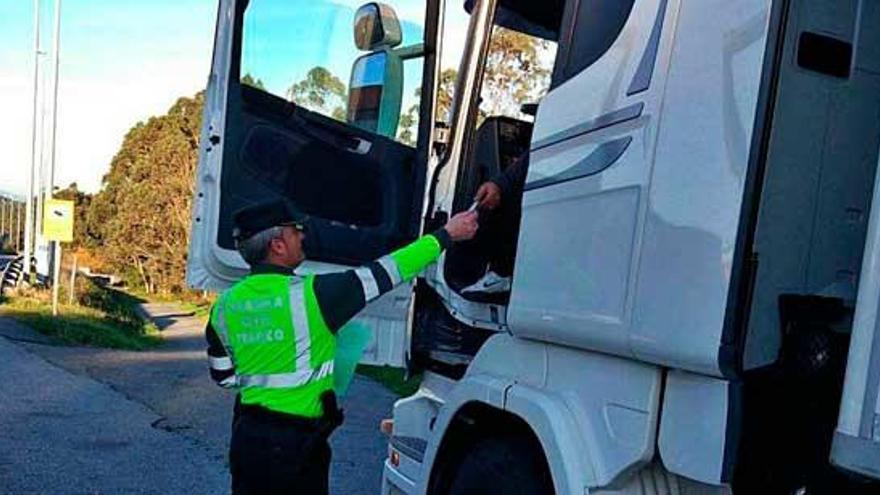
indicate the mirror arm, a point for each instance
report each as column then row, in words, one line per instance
column 410, row 52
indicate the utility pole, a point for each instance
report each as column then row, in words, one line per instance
column 5, row 231
column 18, row 226
column 57, row 56
column 40, row 195
column 5, row 224
column 56, row 252
column 29, row 209
column 11, row 211
column 2, row 215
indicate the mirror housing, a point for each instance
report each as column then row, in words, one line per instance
column 376, row 92
column 376, row 27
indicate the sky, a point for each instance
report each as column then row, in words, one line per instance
column 122, row 61
column 280, row 44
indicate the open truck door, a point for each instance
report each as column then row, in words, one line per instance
column 304, row 102
column 856, row 444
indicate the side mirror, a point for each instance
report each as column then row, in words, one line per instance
column 376, row 85
column 376, row 92
column 375, row 27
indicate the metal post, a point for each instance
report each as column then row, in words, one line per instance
column 40, row 196
column 72, row 282
column 8, row 222
column 18, row 226
column 50, row 180
column 57, row 56
column 7, row 226
column 29, row 212
column 56, row 277
column 3, row 225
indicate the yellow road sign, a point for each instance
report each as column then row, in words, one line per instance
column 58, row 220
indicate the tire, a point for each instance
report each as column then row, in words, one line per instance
column 508, row 465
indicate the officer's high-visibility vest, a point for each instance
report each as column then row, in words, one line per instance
column 283, row 350
column 277, row 339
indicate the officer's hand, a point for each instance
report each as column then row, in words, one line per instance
column 488, row 195
column 462, row 226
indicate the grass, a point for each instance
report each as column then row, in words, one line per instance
column 102, row 318
column 199, row 310
column 190, row 301
column 392, row 378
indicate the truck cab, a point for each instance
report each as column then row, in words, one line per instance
column 694, row 300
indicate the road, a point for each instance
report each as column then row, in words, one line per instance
column 164, row 393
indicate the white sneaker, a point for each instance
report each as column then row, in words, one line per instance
column 491, row 283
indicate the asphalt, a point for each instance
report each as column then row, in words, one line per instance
column 105, row 421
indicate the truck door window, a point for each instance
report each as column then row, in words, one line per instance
column 304, row 51
column 518, row 68
column 589, row 28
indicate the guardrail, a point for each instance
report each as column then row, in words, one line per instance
column 11, row 273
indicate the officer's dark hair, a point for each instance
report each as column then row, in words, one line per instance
column 255, row 248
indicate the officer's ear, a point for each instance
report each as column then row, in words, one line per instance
column 277, row 246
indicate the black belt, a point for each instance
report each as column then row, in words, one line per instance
column 268, row 416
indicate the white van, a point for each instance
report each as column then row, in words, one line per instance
column 695, row 296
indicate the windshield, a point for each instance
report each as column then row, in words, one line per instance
column 304, row 51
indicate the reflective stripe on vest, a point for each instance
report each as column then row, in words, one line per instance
column 302, row 339
column 301, row 342
column 286, row 380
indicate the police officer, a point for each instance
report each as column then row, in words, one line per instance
column 272, row 336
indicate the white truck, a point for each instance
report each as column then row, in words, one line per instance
column 694, row 306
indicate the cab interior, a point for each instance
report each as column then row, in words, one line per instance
column 441, row 342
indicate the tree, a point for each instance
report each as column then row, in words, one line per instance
column 253, row 82
column 408, row 125
column 518, row 68
column 141, row 217
column 320, row 92
column 517, row 72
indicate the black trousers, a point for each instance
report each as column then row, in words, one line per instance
column 272, row 453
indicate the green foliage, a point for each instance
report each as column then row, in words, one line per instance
column 11, row 224
column 516, row 72
column 6, row 244
column 320, row 92
column 141, row 217
column 112, row 322
column 408, row 127
column 253, row 82
column 118, row 307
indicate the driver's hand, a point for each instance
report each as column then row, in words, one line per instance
column 462, row 226
column 488, row 195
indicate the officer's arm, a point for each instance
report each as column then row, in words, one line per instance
column 222, row 368
column 342, row 295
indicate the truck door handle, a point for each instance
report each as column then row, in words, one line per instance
column 360, row 146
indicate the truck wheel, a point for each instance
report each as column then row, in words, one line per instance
column 510, row 465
